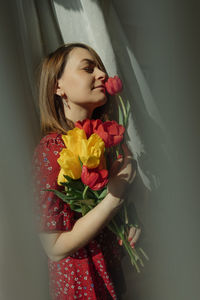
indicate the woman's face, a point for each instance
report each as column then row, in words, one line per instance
column 82, row 82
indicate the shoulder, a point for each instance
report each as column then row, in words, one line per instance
column 48, row 149
column 50, row 142
column 53, row 138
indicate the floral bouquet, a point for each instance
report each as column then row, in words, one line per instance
column 84, row 174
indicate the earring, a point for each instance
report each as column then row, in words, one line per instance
column 65, row 102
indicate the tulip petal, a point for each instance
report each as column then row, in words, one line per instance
column 113, row 129
column 86, row 125
column 108, row 130
column 70, row 163
column 117, row 139
column 96, row 179
column 95, row 124
column 104, row 173
column 91, row 151
column 72, row 139
column 113, row 85
column 61, row 177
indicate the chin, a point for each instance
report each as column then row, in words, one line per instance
column 102, row 101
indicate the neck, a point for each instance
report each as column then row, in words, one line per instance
column 75, row 112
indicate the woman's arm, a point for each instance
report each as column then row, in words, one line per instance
column 61, row 244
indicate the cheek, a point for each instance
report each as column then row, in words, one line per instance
column 79, row 82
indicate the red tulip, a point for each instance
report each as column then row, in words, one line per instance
column 88, row 126
column 113, row 85
column 95, row 124
column 96, row 179
column 111, row 133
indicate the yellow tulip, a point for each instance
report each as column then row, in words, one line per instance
column 73, row 139
column 70, row 165
column 61, row 177
column 91, row 151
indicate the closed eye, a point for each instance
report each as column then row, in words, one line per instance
column 89, row 69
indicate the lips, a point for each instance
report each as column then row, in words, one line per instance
column 99, row 86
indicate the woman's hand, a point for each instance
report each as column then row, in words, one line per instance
column 122, row 174
column 133, row 236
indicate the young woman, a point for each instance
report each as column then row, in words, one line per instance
column 83, row 255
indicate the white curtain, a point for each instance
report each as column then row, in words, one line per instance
column 96, row 23
column 119, row 31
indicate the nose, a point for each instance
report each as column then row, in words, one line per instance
column 100, row 74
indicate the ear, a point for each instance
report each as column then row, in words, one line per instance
column 58, row 90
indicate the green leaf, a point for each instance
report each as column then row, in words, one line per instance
column 72, row 197
column 69, row 179
column 75, row 185
column 64, row 183
column 75, row 207
column 84, row 209
column 90, row 194
column 75, row 194
column 72, row 181
column 59, row 194
column 89, row 202
column 80, row 162
column 103, row 193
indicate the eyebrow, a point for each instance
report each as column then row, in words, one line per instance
column 90, row 61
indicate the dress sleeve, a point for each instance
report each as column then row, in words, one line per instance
column 52, row 213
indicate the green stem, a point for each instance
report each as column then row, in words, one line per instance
column 127, row 115
column 130, row 252
column 123, row 106
column 145, row 255
column 125, row 214
column 85, row 191
column 134, row 256
column 117, row 152
column 95, row 193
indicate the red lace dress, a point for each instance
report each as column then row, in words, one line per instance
column 87, row 273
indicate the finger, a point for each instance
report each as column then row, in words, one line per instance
column 129, row 159
column 120, row 242
column 127, row 153
column 136, row 236
column 131, row 233
column 133, row 176
column 116, row 166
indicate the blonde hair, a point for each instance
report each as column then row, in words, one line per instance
column 52, row 116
